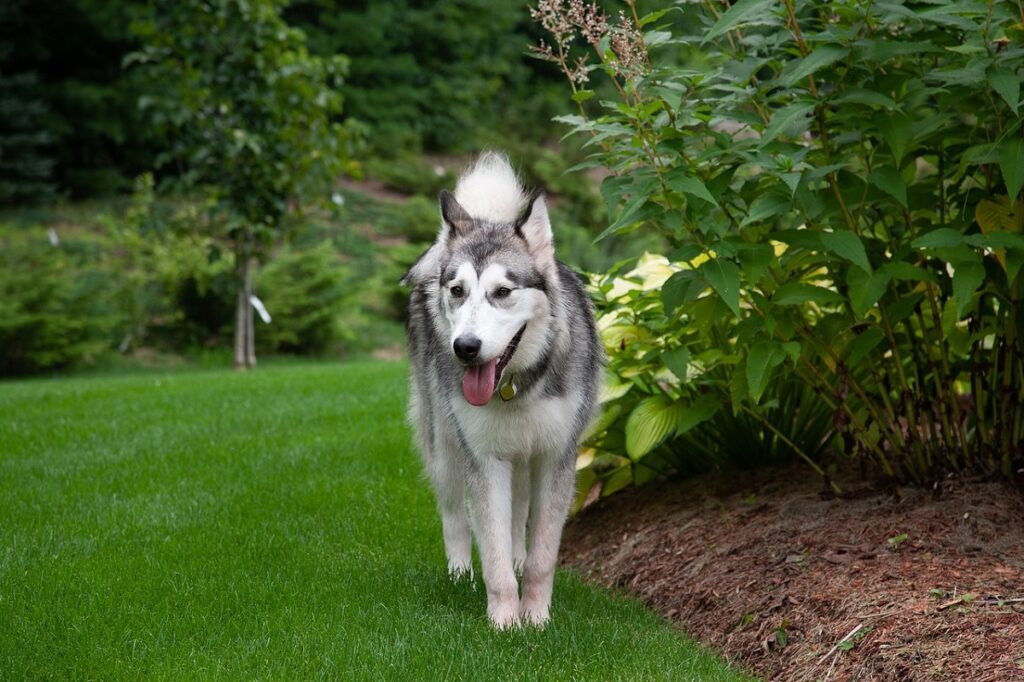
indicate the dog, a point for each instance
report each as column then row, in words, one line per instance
column 505, row 367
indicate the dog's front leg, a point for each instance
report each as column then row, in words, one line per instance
column 490, row 492
column 551, row 495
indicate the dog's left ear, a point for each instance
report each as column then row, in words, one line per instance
column 535, row 229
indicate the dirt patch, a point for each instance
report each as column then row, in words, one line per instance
column 773, row 572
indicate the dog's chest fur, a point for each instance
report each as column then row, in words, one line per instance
column 522, row 430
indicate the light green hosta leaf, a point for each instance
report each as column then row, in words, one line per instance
column 848, row 246
column 889, row 180
column 740, row 14
column 651, row 422
column 762, row 359
column 818, row 59
column 967, row 277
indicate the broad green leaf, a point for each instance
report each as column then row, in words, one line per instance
column 697, row 412
column 680, row 182
column 897, row 130
column 847, row 245
column 967, row 277
column 724, row 277
column 818, row 59
column 795, row 293
column 675, row 291
column 766, row 206
column 740, row 14
column 762, row 358
column 582, row 95
column 866, row 290
column 942, row 238
column 651, row 422
column 868, row 97
column 1011, row 162
column 755, row 259
column 905, row 272
column 653, row 16
column 1007, row 84
column 677, row 361
column 889, row 180
column 602, row 423
column 861, row 345
column 787, row 119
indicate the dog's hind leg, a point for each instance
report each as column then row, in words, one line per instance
column 553, row 480
column 520, row 512
column 446, row 466
column 490, row 493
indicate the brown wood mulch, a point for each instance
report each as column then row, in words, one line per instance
column 792, row 583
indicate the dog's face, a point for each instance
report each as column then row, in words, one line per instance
column 493, row 286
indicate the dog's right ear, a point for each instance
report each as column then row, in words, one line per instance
column 454, row 216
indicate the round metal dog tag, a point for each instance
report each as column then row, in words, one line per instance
column 509, row 390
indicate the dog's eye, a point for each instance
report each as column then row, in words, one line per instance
column 456, row 291
column 502, row 292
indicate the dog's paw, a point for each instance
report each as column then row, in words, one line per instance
column 537, row 616
column 504, row 616
column 460, row 573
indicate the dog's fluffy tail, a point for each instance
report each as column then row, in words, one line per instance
column 491, row 190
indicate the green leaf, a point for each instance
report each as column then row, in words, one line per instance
column 967, row 277
column 820, row 58
column 861, row 345
column 905, row 272
column 897, row 131
column 762, row 358
column 724, row 277
column 870, row 98
column 786, row 119
column 675, row 290
column 889, row 180
column 699, row 411
column 740, row 14
column 1007, row 84
column 582, row 95
column 1011, row 161
column 795, row 293
column 866, row 290
column 766, row 206
column 677, row 361
column 942, row 238
column 680, row 182
column 651, row 422
column 847, row 245
column 755, row 259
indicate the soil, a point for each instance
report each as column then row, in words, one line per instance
column 774, row 572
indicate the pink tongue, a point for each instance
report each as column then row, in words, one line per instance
column 478, row 384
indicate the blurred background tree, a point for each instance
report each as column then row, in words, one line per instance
column 251, row 115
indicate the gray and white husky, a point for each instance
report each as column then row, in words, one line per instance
column 506, row 364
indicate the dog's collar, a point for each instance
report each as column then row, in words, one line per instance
column 508, row 389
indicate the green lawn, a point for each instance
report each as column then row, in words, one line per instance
column 271, row 524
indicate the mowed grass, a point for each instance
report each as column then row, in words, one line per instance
column 271, row 524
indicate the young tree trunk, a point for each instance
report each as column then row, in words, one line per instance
column 245, row 337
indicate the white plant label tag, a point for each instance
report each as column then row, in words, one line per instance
column 260, row 308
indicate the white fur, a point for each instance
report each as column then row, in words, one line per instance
column 491, row 190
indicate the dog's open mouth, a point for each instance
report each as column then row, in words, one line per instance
column 480, row 381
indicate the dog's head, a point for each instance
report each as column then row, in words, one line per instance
column 493, row 291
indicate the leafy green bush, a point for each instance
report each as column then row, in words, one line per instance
column 52, row 311
column 305, row 293
column 840, row 183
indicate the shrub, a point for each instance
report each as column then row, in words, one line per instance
column 52, row 312
column 840, row 183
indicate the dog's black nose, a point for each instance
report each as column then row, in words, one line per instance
column 467, row 347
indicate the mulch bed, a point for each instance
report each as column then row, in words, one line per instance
column 772, row 572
